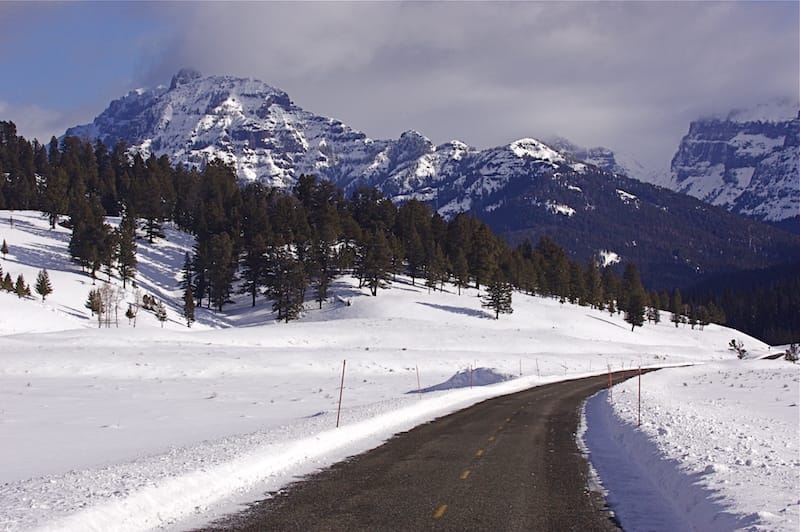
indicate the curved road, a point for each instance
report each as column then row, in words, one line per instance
column 509, row 463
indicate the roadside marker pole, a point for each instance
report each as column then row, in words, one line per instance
column 610, row 384
column 470, row 376
column 419, row 387
column 640, row 396
column 341, row 389
column 520, row 367
column 538, row 373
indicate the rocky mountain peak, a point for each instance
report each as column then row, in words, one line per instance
column 184, row 76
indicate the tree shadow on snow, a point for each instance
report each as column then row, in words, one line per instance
column 465, row 311
column 607, row 321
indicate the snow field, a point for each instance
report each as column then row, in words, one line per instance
column 134, row 428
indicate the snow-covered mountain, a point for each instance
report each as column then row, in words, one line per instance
column 259, row 130
column 746, row 162
column 604, row 158
column 524, row 189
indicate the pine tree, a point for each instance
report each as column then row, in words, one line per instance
column 653, row 313
column 634, row 296
column 634, row 314
column 55, row 199
column 4, row 249
column 188, row 305
column 483, row 256
column 221, row 269
column 285, row 284
column 126, row 247
column 460, row 270
column 611, row 290
column 594, row 285
column 577, row 284
column 95, row 304
column 498, row 296
column 8, row 284
column 254, row 267
column 43, row 286
column 676, row 307
column 375, row 262
column 20, row 288
column 436, row 271
column 186, row 272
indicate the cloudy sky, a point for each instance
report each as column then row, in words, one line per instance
column 628, row 75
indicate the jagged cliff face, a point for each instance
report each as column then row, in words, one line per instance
column 747, row 166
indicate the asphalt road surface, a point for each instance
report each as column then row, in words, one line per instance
column 509, row 463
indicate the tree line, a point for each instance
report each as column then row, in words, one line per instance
column 286, row 245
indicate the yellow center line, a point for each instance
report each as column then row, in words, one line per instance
column 440, row 511
column 491, row 438
column 500, row 427
column 508, row 420
column 465, row 474
column 479, row 453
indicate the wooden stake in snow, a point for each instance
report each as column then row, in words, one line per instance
column 341, row 389
column 640, row 397
column 610, row 383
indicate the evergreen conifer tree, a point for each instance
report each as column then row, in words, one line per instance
column 460, row 270
column 634, row 296
column 20, row 288
column 594, row 285
column 4, row 249
column 676, row 307
column 95, row 304
column 43, row 286
column 577, row 284
column 285, row 284
column 436, row 271
column 498, row 295
column 375, row 262
column 8, row 284
column 188, row 305
column 126, row 247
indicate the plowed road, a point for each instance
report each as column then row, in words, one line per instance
column 509, row 463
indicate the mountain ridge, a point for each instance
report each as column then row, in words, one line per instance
column 522, row 189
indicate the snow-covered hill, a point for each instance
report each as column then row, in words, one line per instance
column 133, row 428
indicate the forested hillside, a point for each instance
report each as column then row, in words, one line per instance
column 289, row 245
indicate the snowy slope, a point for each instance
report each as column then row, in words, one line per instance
column 100, row 427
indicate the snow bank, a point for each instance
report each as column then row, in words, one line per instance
column 717, row 449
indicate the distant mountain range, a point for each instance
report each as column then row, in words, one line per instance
column 745, row 161
column 524, row 189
